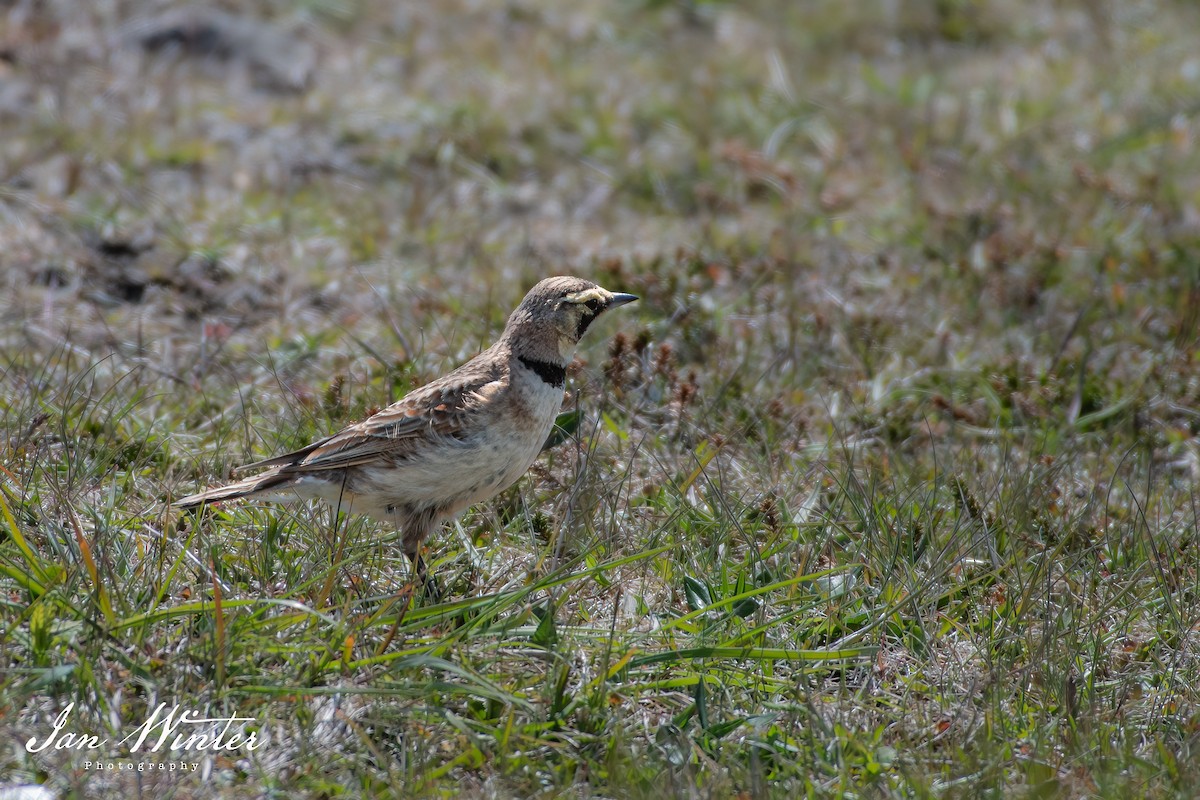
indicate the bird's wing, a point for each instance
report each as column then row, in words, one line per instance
column 443, row 408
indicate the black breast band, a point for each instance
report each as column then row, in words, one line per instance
column 552, row 374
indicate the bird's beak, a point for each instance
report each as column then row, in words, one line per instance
column 620, row 299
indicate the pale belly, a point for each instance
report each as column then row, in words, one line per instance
column 455, row 473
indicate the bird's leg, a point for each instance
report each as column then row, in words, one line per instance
column 417, row 525
column 429, row 584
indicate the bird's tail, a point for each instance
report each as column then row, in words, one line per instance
column 264, row 486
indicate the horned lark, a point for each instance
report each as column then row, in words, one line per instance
column 453, row 442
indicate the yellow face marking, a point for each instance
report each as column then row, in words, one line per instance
column 582, row 296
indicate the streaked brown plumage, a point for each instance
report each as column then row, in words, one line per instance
column 455, row 441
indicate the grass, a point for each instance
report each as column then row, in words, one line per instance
column 885, row 488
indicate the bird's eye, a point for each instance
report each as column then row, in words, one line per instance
column 593, row 305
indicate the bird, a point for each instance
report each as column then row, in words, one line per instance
column 454, row 442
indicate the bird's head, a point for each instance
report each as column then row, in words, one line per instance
column 557, row 311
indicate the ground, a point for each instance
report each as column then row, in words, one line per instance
column 885, row 488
